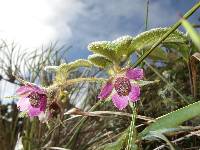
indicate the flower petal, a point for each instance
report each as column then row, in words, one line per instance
column 43, row 102
column 27, row 89
column 23, row 90
column 135, row 93
column 38, row 90
column 43, row 117
column 120, row 101
column 106, row 90
column 135, row 73
column 34, row 111
column 23, row 104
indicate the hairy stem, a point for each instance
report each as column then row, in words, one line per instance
column 132, row 130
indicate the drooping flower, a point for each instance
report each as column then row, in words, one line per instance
column 52, row 111
column 121, row 89
column 32, row 100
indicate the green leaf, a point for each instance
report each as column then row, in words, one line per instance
column 103, row 48
column 119, row 50
column 166, row 123
column 183, row 49
column 191, row 31
column 158, row 54
column 63, row 70
column 146, row 40
column 161, row 136
column 99, row 60
column 173, row 119
column 117, row 145
column 122, row 46
column 115, row 51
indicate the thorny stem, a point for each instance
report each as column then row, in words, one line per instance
column 132, row 127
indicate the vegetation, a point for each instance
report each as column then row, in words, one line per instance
column 162, row 114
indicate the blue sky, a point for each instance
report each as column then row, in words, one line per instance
column 107, row 20
column 32, row 23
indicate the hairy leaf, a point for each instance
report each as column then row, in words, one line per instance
column 122, row 46
column 99, row 60
column 63, row 70
column 147, row 39
column 116, row 51
column 104, row 48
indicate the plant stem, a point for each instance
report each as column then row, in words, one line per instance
column 74, row 81
column 132, row 131
column 92, row 79
column 173, row 28
column 147, row 15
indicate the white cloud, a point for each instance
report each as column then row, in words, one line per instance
column 32, row 23
column 107, row 20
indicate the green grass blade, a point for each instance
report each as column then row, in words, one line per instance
column 192, row 32
column 173, row 119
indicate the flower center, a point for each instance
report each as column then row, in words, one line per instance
column 122, row 86
column 34, row 99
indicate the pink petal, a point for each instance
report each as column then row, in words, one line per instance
column 34, row 111
column 135, row 73
column 135, row 93
column 106, row 90
column 120, row 101
column 38, row 90
column 23, row 90
column 23, row 104
column 43, row 102
column 27, row 89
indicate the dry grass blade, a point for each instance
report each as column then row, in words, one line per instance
column 193, row 69
column 54, row 148
column 76, row 111
column 194, row 131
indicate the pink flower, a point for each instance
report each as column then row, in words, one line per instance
column 124, row 91
column 32, row 100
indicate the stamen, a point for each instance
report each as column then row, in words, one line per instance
column 34, row 99
column 122, row 86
